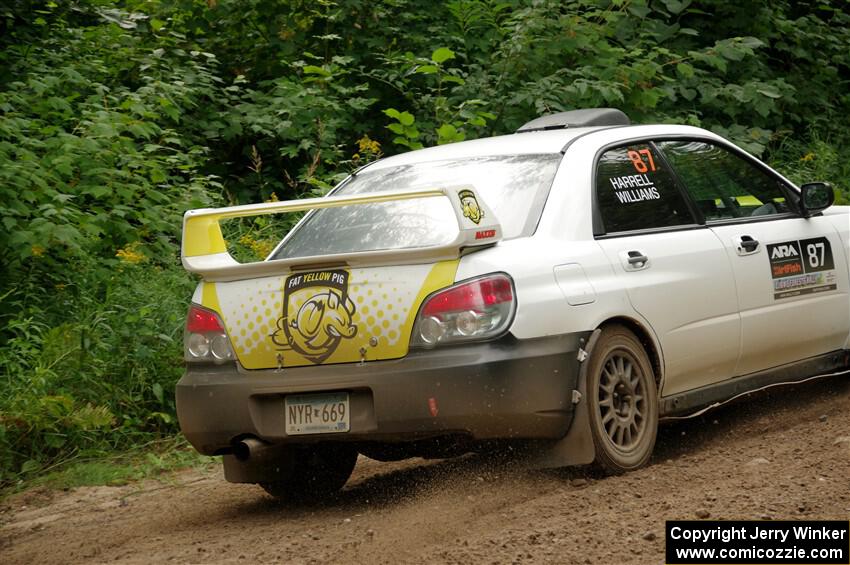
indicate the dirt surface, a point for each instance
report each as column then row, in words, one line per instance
column 782, row 454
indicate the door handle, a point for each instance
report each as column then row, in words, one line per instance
column 637, row 260
column 746, row 245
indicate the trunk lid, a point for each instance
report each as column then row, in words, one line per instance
column 340, row 308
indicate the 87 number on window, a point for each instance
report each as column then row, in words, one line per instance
column 637, row 159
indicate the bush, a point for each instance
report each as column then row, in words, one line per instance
column 100, row 376
column 95, row 370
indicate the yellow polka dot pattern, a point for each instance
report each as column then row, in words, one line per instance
column 385, row 301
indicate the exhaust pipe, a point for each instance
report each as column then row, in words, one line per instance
column 249, row 448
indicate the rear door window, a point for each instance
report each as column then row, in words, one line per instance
column 636, row 191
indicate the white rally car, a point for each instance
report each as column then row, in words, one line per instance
column 569, row 284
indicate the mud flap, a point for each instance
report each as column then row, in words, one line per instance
column 575, row 448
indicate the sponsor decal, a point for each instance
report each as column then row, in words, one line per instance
column 801, row 267
column 485, row 234
column 317, row 314
column 470, row 207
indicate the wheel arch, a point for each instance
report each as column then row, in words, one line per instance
column 647, row 340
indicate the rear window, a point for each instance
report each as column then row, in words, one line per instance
column 635, row 191
column 515, row 187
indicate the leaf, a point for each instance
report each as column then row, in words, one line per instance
column 314, row 70
column 447, row 133
column 639, row 11
column 157, row 176
column 393, row 113
column 426, row 70
column 442, row 55
column 452, row 78
column 688, row 94
column 769, row 92
column 30, row 465
column 54, row 441
column 166, row 418
column 157, row 392
column 750, row 42
column 676, row 6
column 66, row 234
column 685, row 70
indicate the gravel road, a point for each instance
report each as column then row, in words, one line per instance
column 780, row 454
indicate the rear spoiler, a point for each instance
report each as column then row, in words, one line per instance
column 204, row 251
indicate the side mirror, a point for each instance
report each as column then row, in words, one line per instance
column 815, row 197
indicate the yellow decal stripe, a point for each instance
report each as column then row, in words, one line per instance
column 202, row 236
column 209, row 297
column 441, row 275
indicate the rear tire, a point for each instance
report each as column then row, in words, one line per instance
column 623, row 401
column 311, row 472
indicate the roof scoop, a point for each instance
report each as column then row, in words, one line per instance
column 589, row 117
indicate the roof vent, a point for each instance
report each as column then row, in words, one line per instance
column 588, row 117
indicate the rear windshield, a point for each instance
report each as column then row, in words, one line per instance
column 514, row 186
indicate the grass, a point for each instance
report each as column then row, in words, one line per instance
column 816, row 159
column 148, row 461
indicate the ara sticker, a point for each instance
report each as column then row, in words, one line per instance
column 317, row 314
column 470, row 207
column 801, row 267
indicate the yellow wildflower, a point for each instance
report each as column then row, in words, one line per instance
column 808, row 157
column 369, row 147
column 273, row 198
column 37, row 250
column 130, row 254
column 260, row 247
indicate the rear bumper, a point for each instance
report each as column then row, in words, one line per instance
column 503, row 389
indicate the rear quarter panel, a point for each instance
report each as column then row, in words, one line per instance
column 543, row 300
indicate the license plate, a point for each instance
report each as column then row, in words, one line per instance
column 316, row 413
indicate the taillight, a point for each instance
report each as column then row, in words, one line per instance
column 205, row 338
column 478, row 309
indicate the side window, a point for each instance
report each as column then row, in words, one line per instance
column 635, row 191
column 724, row 185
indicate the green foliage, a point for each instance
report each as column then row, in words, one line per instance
column 407, row 135
column 94, row 159
column 103, row 375
column 814, row 160
column 117, row 116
